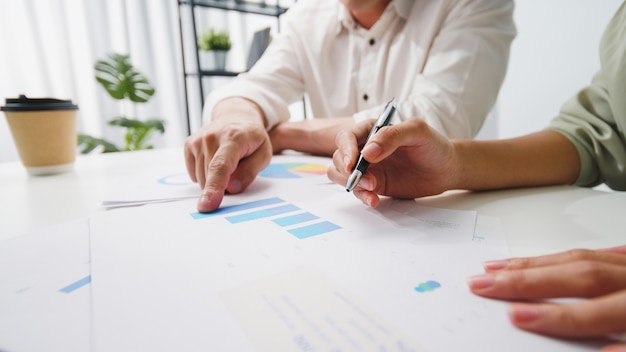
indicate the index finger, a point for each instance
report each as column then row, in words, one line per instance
column 348, row 141
column 605, row 256
column 218, row 173
column 592, row 318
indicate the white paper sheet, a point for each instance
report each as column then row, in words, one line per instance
column 45, row 290
column 489, row 233
column 169, row 183
column 296, row 262
column 154, row 185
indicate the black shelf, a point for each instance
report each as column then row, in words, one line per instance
column 203, row 73
column 239, row 6
column 247, row 7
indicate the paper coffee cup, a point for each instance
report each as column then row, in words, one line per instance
column 44, row 132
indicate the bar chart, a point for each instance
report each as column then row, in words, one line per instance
column 293, row 219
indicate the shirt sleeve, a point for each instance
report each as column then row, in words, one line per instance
column 277, row 68
column 588, row 121
column 594, row 120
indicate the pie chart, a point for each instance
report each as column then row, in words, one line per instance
column 293, row 170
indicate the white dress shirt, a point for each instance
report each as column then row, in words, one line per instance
column 443, row 60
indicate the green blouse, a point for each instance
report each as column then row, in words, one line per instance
column 594, row 120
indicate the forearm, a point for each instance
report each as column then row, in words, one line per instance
column 315, row 136
column 542, row 158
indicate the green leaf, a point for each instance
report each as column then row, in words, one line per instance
column 121, row 80
column 138, row 132
column 89, row 143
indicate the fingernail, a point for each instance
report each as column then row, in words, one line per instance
column 346, row 160
column 481, row 282
column 524, row 313
column 235, row 186
column 372, row 150
column 203, row 200
column 494, row 265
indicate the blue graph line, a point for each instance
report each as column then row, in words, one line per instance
column 165, row 180
column 314, row 229
column 76, row 285
column 295, row 219
column 238, row 207
column 259, row 214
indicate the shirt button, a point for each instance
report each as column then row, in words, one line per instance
column 365, row 97
column 372, row 41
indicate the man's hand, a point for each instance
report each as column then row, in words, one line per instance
column 227, row 154
column 598, row 275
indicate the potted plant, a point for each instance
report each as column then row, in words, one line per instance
column 124, row 83
column 217, row 43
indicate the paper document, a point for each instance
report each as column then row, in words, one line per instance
column 154, row 185
column 297, row 263
column 45, row 290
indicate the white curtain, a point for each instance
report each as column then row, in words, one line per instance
column 49, row 48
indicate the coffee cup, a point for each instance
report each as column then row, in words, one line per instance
column 44, row 132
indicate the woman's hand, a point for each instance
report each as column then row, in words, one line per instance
column 597, row 275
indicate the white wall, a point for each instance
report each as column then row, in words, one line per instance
column 554, row 55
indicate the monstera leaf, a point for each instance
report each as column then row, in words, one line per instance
column 88, row 143
column 138, row 132
column 121, row 80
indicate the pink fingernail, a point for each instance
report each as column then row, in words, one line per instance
column 494, row 265
column 481, row 282
column 204, row 199
column 524, row 313
column 203, row 202
column 346, row 160
column 372, row 150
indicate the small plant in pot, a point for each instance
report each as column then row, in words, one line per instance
column 124, row 83
column 217, row 43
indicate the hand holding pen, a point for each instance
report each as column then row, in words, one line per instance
column 361, row 165
column 409, row 160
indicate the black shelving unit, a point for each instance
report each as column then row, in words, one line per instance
column 274, row 10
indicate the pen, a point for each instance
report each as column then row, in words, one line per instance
column 361, row 165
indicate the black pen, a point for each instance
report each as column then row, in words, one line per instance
column 361, row 165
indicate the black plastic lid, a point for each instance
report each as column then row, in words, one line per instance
column 26, row 104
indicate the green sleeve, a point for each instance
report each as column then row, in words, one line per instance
column 594, row 120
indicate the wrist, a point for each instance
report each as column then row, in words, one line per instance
column 463, row 165
column 240, row 109
column 284, row 136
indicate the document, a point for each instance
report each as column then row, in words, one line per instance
column 296, row 263
column 155, row 185
column 45, row 292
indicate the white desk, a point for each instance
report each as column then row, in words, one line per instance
column 535, row 220
column 29, row 203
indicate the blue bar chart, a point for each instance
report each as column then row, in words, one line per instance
column 294, row 220
column 76, row 285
